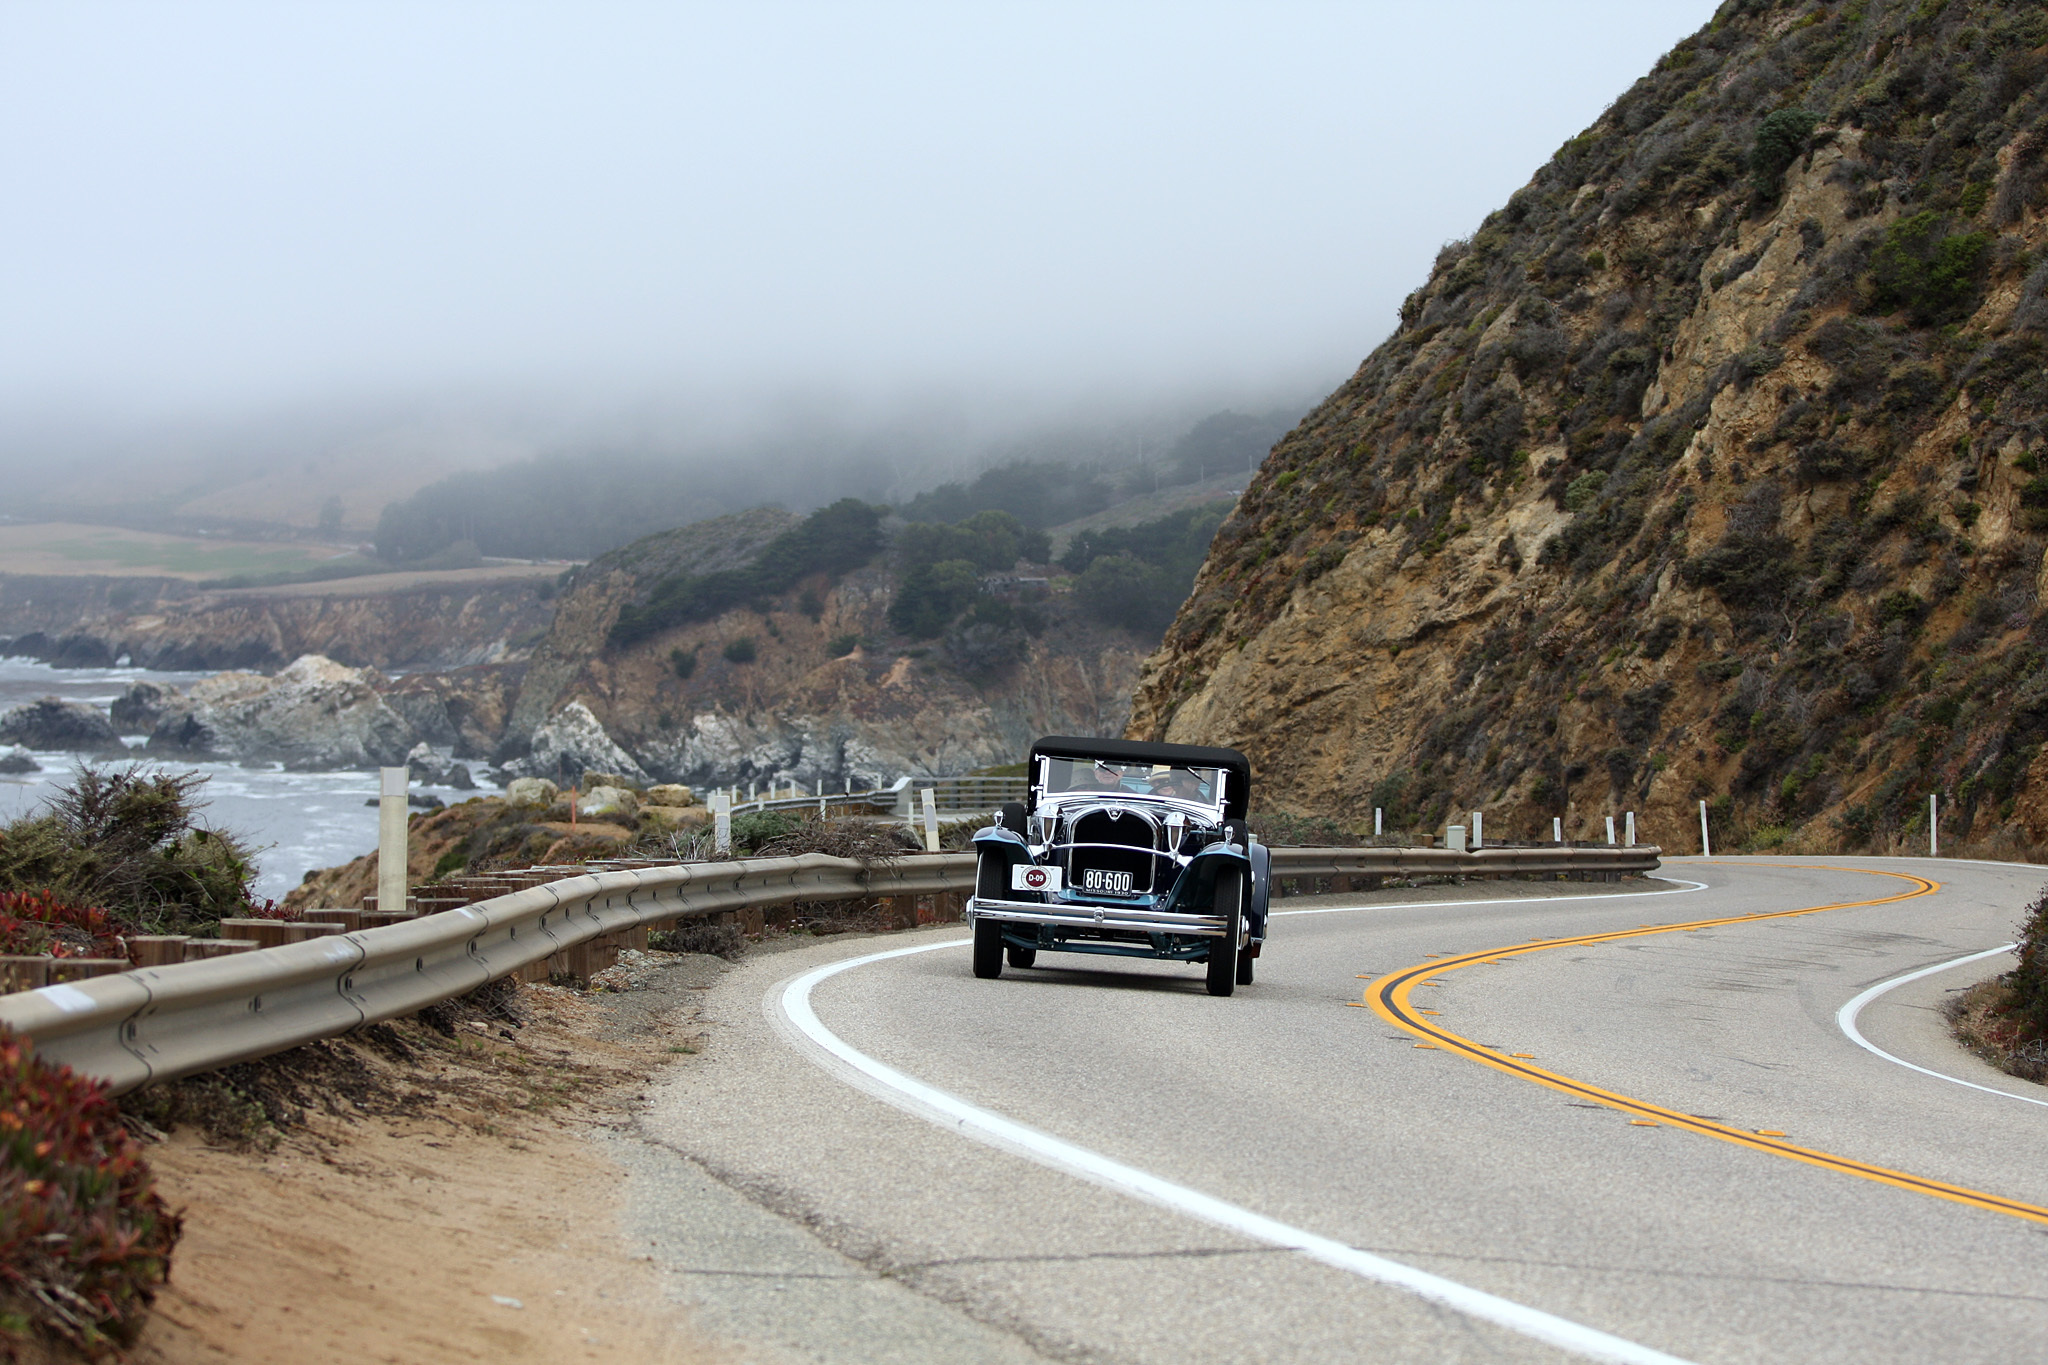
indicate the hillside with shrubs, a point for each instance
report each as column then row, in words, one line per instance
column 862, row 642
column 1709, row 468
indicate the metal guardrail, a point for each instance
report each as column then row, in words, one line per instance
column 954, row 796
column 160, row 1023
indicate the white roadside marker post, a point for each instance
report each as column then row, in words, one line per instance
column 1631, row 829
column 721, row 822
column 1706, row 845
column 1610, row 829
column 931, row 819
column 391, row 876
column 1557, row 829
column 1377, row 817
column 1933, row 845
column 1478, row 826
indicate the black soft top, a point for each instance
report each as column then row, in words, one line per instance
column 1236, row 792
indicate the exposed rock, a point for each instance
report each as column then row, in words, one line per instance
column 314, row 714
column 627, row 575
column 597, row 779
column 669, row 794
column 436, row 767
column 574, row 742
column 609, row 803
column 50, row 723
column 530, row 791
column 138, row 710
column 17, row 759
column 462, row 712
column 389, row 621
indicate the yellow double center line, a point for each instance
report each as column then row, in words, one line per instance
column 1389, row 998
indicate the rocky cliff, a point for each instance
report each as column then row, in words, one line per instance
column 1708, row 468
column 810, row 682
column 408, row 621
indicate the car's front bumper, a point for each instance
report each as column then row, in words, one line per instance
column 1119, row 918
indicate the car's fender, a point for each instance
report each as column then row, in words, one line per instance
column 996, row 851
column 1262, row 890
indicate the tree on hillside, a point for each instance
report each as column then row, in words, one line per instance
column 1225, row 441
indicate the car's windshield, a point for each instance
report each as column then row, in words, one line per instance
column 1063, row 776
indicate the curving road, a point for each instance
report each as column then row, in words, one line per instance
column 1466, row 1124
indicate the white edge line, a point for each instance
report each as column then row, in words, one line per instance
column 1845, row 1019
column 972, row 1121
column 1683, row 888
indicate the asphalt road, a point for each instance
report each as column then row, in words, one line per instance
column 1690, row 1159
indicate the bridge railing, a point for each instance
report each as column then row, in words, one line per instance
column 160, row 1023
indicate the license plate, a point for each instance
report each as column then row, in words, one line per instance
column 1109, row 883
column 1024, row 877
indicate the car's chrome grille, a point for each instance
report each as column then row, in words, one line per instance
column 1112, row 853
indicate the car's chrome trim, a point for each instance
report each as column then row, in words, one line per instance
column 1117, row 917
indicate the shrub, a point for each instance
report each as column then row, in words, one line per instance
column 932, row 595
column 1280, row 828
column 128, row 840
column 2028, row 981
column 830, row 541
column 84, row 1237
column 1584, row 491
column 1123, row 590
column 991, row 541
column 740, row 650
column 36, row 922
column 842, row 645
column 683, row 661
column 1931, row 274
column 1037, row 493
column 1779, row 140
column 759, row 827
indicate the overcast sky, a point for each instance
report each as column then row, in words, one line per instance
column 217, row 208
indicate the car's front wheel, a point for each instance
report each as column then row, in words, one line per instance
column 1244, row 967
column 988, row 947
column 1223, row 952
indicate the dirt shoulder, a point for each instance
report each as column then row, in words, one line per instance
column 427, row 1191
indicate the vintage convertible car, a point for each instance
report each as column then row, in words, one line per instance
column 1134, row 850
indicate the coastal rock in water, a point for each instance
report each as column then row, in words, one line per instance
column 574, row 742
column 18, row 760
column 139, row 710
column 314, row 714
column 49, row 723
column 438, row 768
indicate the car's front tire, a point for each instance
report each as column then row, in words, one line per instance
column 1244, row 968
column 988, row 947
column 1223, row 952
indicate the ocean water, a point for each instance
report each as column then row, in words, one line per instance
column 293, row 822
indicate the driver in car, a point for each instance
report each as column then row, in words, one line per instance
column 1177, row 783
column 1105, row 778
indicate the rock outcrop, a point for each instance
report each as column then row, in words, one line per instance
column 572, row 743
column 52, row 724
column 824, row 689
column 314, row 713
column 1710, row 468
column 443, row 621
